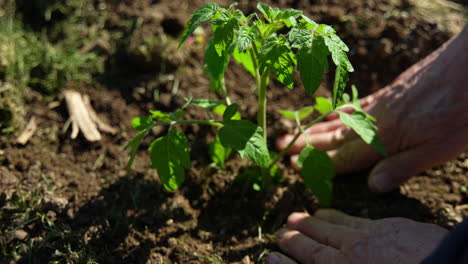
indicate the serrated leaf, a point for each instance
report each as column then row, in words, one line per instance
column 364, row 127
column 310, row 22
column 267, row 30
column 205, row 103
column 323, row 105
column 245, row 38
column 338, row 51
column 230, row 112
column 311, row 64
column 318, row 172
column 325, row 29
column 246, row 138
column 341, row 78
column 268, row 12
column 216, row 66
column 287, row 13
column 302, row 113
column 300, row 37
column 277, row 56
column 199, row 16
column 160, row 116
column 141, row 123
column 170, row 156
column 218, row 153
column 224, row 36
column 245, row 60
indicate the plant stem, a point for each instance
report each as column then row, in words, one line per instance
column 296, row 136
column 262, row 103
column 200, row 122
column 225, row 93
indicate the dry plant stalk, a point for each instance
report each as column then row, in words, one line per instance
column 84, row 118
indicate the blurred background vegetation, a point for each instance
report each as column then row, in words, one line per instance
column 44, row 44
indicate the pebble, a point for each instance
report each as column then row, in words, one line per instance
column 246, row 260
column 20, row 234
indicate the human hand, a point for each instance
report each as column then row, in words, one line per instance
column 331, row 236
column 422, row 119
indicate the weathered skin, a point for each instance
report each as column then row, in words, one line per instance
column 422, row 118
column 334, row 237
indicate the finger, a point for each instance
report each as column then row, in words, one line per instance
column 323, row 232
column 283, row 141
column 353, row 156
column 340, row 218
column 323, row 141
column 305, row 249
column 394, row 170
column 365, row 102
column 325, row 126
column 278, row 258
column 334, row 116
column 294, row 159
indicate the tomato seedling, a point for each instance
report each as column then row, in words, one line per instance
column 270, row 44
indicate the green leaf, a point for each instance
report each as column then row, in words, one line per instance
column 160, row 116
column 267, row 30
column 224, row 36
column 216, row 66
column 220, row 109
column 311, row 64
column 246, row 138
column 323, row 105
column 318, row 172
column 341, row 78
column 303, row 113
column 201, row 15
column 230, row 112
column 268, row 12
column 364, row 127
column 170, row 156
column 141, row 123
column 310, row 23
column 338, row 51
column 277, row 56
column 245, row 60
column 287, row 13
column 218, row 153
column 300, row 37
column 206, row 103
column 245, row 38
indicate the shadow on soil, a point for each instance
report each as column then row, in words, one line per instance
column 127, row 222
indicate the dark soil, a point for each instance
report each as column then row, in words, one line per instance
column 98, row 212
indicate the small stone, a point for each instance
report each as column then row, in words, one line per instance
column 172, row 242
column 169, row 222
column 54, row 202
column 246, row 260
column 20, row 234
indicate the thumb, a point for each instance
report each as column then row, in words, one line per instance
column 389, row 173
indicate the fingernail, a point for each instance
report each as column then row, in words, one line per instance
column 380, row 183
column 273, row 258
column 295, row 218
